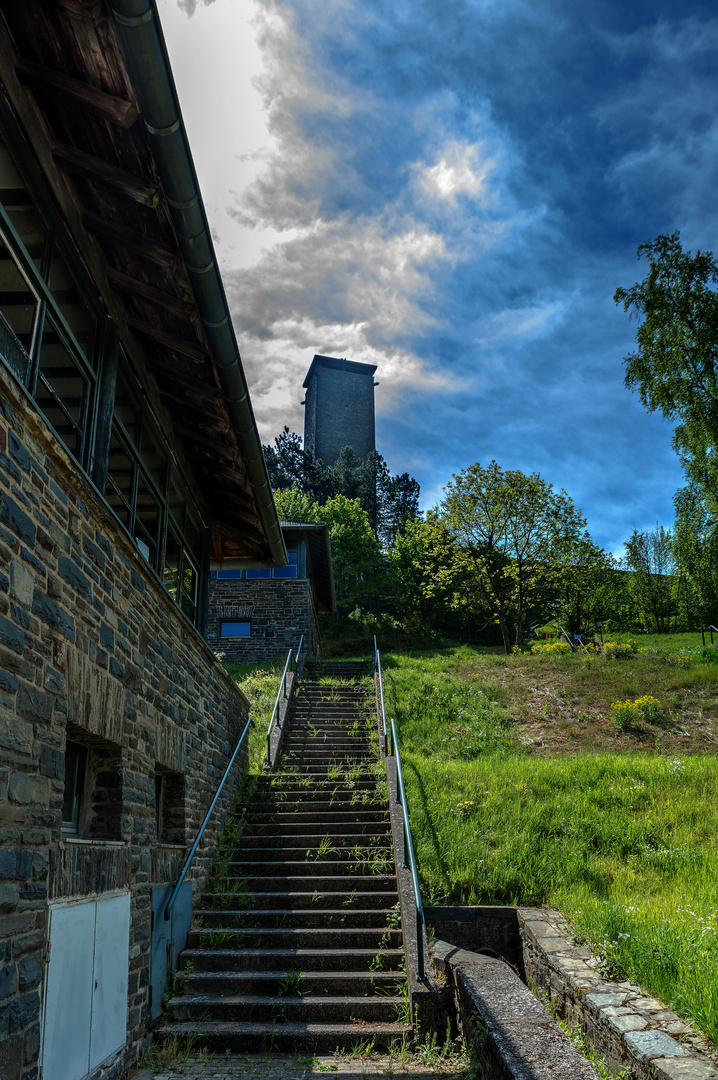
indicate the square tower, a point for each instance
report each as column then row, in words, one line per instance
column 339, row 408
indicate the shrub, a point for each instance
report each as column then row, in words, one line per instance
column 624, row 714
column 620, row 649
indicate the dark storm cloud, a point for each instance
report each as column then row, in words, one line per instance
column 462, row 188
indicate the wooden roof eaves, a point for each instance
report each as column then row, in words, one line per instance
column 30, row 115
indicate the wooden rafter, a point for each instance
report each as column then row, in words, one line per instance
column 130, row 239
column 170, row 377
column 185, row 348
column 134, row 287
column 93, row 168
column 120, row 112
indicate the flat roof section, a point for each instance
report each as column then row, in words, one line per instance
column 338, row 365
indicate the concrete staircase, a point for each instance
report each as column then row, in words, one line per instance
column 300, row 946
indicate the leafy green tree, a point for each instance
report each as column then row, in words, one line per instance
column 355, row 554
column 675, row 365
column 585, row 580
column 431, row 584
column 654, row 577
column 509, row 528
column 388, row 500
column 695, row 547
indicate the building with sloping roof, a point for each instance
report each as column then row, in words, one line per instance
column 259, row 613
column 129, row 460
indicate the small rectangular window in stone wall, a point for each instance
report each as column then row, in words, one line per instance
column 170, row 795
column 92, row 804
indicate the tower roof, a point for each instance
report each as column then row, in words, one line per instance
column 338, row 365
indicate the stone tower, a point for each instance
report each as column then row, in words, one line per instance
column 339, row 407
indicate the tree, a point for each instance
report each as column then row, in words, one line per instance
column 675, row 367
column 355, row 554
column 653, row 577
column 509, row 527
column 388, row 500
column 695, row 548
column 430, row 579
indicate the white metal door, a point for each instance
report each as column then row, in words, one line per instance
column 109, row 999
column 68, row 1000
column 85, row 985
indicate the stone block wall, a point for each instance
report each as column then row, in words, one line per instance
column 91, row 646
column 279, row 611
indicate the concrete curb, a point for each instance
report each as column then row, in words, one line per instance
column 512, row 1035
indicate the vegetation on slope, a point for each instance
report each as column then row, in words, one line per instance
column 614, row 826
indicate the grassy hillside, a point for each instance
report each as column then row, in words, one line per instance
column 526, row 787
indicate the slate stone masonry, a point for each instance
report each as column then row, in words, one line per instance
column 92, row 646
column 279, row 611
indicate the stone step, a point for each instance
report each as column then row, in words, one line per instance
column 319, row 882
column 335, row 960
column 284, row 846
column 303, row 803
column 338, row 818
column 290, row 868
column 305, row 937
column 312, row 853
column 219, row 1036
column 346, row 917
column 319, row 826
column 298, row 900
column 352, row 983
column 288, row 1008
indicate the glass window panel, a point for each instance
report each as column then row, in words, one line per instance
column 18, row 302
column 176, row 504
column 192, row 533
column 61, row 389
column 254, row 574
column 229, row 575
column 188, row 597
column 23, row 214
column 72, row 306
column 147, row 519
column 153, row 460
column 125, row 409
column 234, row 629
column 118, row 489
column 75, row 757
column 170, row 575
column 289, row 571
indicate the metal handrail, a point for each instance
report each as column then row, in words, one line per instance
column 409, row 858
column 190, row 857
column 703, row 633
column 282, row 692
column 377, row 669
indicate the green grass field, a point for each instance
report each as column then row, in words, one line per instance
column 617, row 829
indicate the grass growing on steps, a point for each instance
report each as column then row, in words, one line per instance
column 621, row 839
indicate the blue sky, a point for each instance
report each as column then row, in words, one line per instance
column 453, row 191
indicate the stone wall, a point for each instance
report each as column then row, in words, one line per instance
column 91, row 646
column 280, row 611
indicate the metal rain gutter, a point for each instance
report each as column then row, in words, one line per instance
column 141, row 34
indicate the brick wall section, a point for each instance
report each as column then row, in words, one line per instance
column 280, row 612
column 90, row 643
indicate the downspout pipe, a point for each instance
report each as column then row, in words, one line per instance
column 141, row 35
